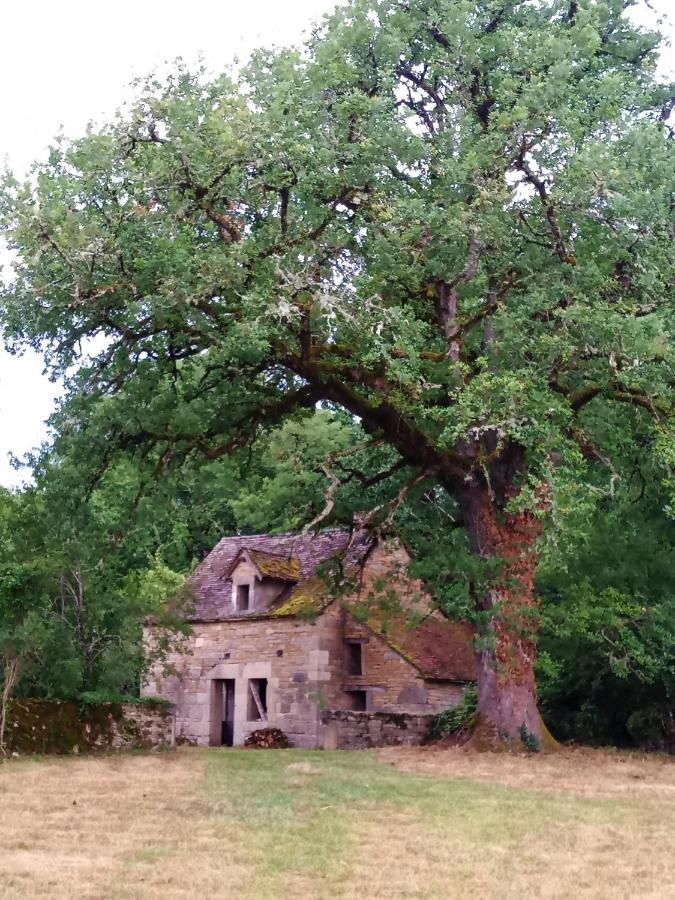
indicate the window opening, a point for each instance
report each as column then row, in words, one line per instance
column 243, row 597
column 257, row 700
column 354, row 658
column 359, row 700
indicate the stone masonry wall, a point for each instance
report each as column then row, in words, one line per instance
column 363, row 730
column 391, row 682
column 145, row 727
column 298, row 659
column 304, row 665
column 60, row 726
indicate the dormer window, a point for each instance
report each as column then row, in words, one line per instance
column 243, row 597
column 259, row 578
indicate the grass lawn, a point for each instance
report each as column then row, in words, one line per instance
column 404, row 823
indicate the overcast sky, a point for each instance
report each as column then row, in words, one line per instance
column 66, row 62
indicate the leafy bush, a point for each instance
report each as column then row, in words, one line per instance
column 455, row 719
column 606, row 659
column 653, row 728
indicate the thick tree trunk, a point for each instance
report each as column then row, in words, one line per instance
column 506, row 639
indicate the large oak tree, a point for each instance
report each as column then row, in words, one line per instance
column 453, row 219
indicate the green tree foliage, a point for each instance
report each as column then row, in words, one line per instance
column 607, row 657
column 22, row 590
column 453, row 220
column 286, row 489
column 73, row 594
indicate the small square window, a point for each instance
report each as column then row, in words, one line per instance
column 358, row 700
column 243, row 597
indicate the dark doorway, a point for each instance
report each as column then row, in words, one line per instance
column 227, row 728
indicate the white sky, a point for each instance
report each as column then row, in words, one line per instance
column 66, row 62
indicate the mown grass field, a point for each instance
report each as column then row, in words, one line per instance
column 393, row 824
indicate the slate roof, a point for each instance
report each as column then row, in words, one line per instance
column 440, row 649
column 210, row 582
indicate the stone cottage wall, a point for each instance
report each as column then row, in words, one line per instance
column 304, row 664
column 363, row 730
column 392, row 683
column 298, row 658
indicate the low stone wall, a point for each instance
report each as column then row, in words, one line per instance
column 59, row 726
column 147, row 727
column 363, row 730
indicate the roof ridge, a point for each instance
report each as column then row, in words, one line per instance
column 284, row 555
column 282, row 534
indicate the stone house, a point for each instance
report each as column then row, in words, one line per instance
column 273, row 644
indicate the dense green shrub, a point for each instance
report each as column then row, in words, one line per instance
column 653, row 728
column 455, row 719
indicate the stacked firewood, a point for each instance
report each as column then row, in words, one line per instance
column 267, row 739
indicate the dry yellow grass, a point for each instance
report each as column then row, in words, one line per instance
column 394, row 824
column 582, row 772
column 118, row 827
column 600, row 825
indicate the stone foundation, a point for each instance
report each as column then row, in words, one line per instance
column 363, row 730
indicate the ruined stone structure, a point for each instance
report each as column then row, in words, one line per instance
column 276, row 643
